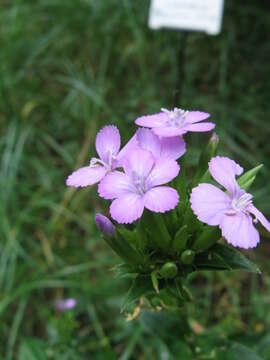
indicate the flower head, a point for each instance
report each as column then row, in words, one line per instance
column 107, row 146
column 233, row 211
column 139, row 186
column 169, row 123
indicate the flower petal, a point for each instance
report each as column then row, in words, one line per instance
column 169, row 131
column 209, row 203
column 86, row 176
column 199, row 127
column 196, row 116
column 108, row 142
column 147, row 140
column 127, row 208
column 173, row 147
column 224, row 170
column 114, row 185
column 124, row 152
column 239, row 230
column 164, row 171
column 138, row 164
column 161, row 199
column 258, row 215
column 151, row 121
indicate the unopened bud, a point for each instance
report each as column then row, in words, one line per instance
column 169, row 270
column 187, row 257
column 105, row 226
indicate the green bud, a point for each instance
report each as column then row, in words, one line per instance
column 246, row 180
column 208, row 237
column 187, row 257
column 169, row 270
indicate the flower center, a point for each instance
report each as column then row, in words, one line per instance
column 176, row 117
column 139, row 183
column 241, row 203
column 95, row 162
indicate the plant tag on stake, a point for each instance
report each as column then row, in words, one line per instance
column 192, row 15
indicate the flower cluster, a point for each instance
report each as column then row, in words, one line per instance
column 136, row 177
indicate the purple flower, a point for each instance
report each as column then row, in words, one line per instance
column 107, row 146
column 169, row 123
column 139, row 186
column 161, row 147
column 105, row 226
column 232, row 211
column 65, row 304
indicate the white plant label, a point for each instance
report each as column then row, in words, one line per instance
column 192, row 15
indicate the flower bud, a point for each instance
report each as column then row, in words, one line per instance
column 187, row 257
column 105, row 226
column 168, row 270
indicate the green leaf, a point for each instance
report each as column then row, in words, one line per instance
column 246, row 180
column 141, row 286
column 237, row 351
column 222, row 257
column 32, row 349
column 208, row 238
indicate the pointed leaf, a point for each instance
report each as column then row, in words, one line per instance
column 246, row 180
column 222, row 257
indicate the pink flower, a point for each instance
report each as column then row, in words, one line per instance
column 139, row 186
column 65, row 304
column 175, row 122
column 232, row 211
column 107, row 146
column 161, row 147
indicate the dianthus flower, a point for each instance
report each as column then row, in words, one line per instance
column 233, row 211
column 107, row 146
column 139, row 186
column 169, row 123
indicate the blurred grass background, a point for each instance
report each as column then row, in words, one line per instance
column 66, row 69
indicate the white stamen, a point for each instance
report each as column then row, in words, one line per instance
column 240, row 204
column 176, row 116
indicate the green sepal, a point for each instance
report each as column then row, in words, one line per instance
column 209, row 236
column 180, row 239
column 246, row 180
column 187, row 257
column 156, row 229
column 209, row 151
column 123, row 247
column 181, row 186
column 155, row 281
column 168, row 270
column 223, row 257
